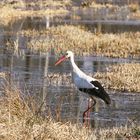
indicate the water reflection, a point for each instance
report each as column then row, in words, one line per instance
column 54, row 86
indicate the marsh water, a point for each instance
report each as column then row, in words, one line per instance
column 36, row 73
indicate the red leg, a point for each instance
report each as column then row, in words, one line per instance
column 86, row 113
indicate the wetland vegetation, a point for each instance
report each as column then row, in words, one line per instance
column 21, row 112
column 12, row 10
column 124, row 77
column 16, row 10
column 83, row 42
column 21, row 118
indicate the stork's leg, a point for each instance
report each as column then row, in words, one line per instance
column 86, row 113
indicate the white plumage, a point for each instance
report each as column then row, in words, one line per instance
column 80, row 79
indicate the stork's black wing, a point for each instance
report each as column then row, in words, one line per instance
column 98, row 92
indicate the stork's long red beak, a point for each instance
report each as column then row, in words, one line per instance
column 60, row 60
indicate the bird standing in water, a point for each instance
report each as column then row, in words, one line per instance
column 85, row 83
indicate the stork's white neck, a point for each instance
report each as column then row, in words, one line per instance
column 80, row 79
column 75, row 67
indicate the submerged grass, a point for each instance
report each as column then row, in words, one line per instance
column 20, row 119
column 123, row 77
column 83, row 42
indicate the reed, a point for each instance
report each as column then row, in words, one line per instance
column 122, row 77
column 81, row 41
column 20, row 118
column 9, row 15
column 15, row 10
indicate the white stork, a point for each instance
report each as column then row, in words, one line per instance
column 85, row 83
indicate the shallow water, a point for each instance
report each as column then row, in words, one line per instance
column 36, row 72
column 30, row 72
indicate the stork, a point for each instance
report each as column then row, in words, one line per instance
column 85, row 83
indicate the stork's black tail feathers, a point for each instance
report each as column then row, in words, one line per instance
column 97, row 92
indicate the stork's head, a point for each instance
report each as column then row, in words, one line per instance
column 68, row 54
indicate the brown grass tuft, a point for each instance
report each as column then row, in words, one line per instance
column 123, row 77
column 9, row 14
column 81, row 41
column 19, row 120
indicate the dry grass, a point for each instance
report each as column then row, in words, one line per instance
column 49, row 3
column 16, row 10
column 115, row 11
column 135, row 15
column 99, row 6
column 123, row 77
column 11, row 12
column 134, row 7
column 20, row 118
column 8, row 14
column 62, row 38
column 81, row 41
column 37, row 4
column 135, row 11
column 118, row 45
